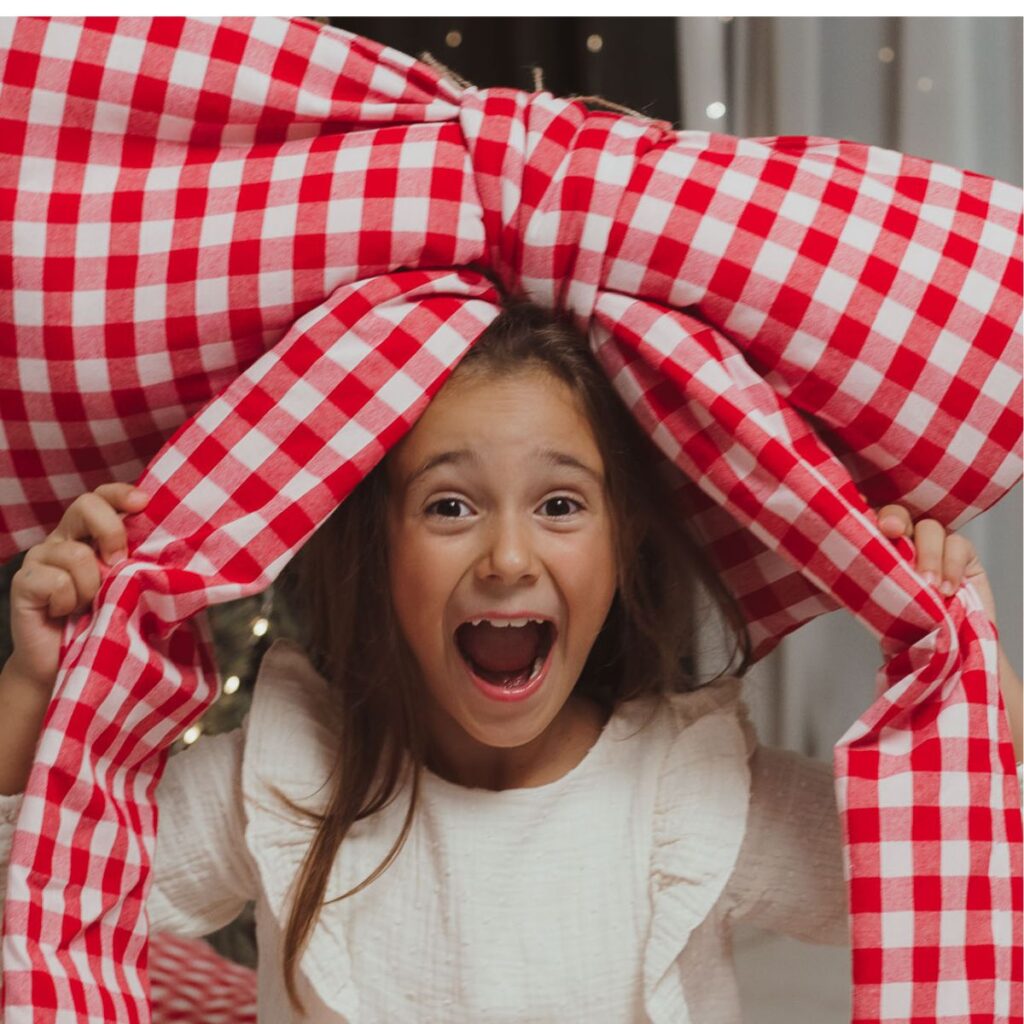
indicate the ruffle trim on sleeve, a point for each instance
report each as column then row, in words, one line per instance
column 288, row 746
column 700, row 818
column 9, row 807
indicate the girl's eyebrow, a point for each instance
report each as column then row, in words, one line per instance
column 556, row 458
column 452, row 458
column 549, row 455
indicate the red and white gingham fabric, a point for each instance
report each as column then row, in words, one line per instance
column 191, row 984
column 238, row 258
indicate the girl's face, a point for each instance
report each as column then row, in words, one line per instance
column 497, row 510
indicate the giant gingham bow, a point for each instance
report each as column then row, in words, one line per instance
column 240, row 256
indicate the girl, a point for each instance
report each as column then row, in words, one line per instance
column 487, row 786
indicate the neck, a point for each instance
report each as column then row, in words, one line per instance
column 462, row 760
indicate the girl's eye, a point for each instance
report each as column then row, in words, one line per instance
column 562, row 507
column 448, row 508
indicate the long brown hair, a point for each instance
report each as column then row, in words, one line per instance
column 339, row 581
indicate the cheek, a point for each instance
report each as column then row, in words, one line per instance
column 420, row 588
column 605, row 555
column 590, row 578
column 403, row 581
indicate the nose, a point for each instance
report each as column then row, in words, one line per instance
column 508, row 556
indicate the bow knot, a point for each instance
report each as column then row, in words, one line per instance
column 551, row 177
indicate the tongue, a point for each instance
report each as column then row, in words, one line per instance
column 501, row 648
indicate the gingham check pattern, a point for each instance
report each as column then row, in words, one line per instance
column 238, row 258
column 191, row 984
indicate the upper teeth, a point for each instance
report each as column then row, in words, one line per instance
column 506, row 622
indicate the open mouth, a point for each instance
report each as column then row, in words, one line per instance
column 506, row 656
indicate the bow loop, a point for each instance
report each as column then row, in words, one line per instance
column 551, row 178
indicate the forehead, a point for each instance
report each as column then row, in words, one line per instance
column 507, row 415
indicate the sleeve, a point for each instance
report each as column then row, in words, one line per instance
column 789, row 876
column 202, row 871
column 9, row 807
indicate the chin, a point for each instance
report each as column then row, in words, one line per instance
column 506, row 726
column 505, row 737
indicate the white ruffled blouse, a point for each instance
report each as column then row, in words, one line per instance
column 607, row 895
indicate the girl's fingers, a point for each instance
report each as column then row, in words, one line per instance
column 77, row 561
column 98, row 516
column 69, row 567
column 944, row 559
column 895, row 521
column 930, row 545
column 41, row 585
column 958, row 556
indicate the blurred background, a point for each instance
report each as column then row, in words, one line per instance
column 949, row 89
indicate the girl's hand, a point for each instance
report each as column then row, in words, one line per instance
column 951, row 559
column 62, row 574
column 945, row 560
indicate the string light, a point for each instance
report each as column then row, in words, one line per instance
column 715, row 110
column 453, row 38
column 925, row 84
column 261, row 623
column 595, row 43
column 886, row 54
